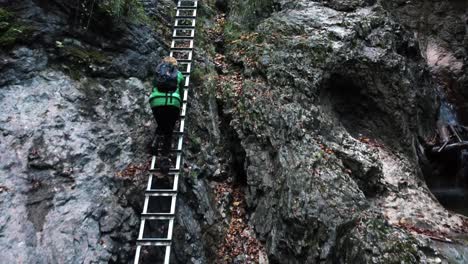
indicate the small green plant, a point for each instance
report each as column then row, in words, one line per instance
column 197, row 75
column 130, row 10
column 232, row 31
column 118, row 11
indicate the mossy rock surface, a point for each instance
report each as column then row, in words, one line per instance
column 5, row 15
column 12, row 31
column 129, row 10
column 88, row 56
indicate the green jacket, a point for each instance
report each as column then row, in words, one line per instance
column 162, row 99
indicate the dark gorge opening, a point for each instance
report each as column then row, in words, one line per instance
column 360, row 108
column 446, row 171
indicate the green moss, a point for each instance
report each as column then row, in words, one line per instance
column 14, row 34
column 318, row 155
column 379, row 226
column 227, row 90
column 5, row 15
column 202, row 38
column 250, row 13
column 75, row 74
column 11, row 31
column 197, row 75
column 85, row 56
column 4, row 26
column 232, row 31
column 129, row 10
column 394, row 246
column 195, row 144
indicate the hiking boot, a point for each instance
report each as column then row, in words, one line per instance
column 165, row 165
column 156, row 146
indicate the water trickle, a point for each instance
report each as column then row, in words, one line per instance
column 447, row 114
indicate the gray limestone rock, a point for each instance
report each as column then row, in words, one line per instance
column 322, row 138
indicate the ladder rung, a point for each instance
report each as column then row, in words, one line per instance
column 153, row 242
column 172, row 150
column 181, row 49
column 181, row 5
column 183, row 60
column 166, row 216
column 161, row 191
column 171, row 170
column 154, row 239
column 186, row 17
column 186, row 7
column 157, row 217
column 183, row 38
column 161, row 217
column 184, row 27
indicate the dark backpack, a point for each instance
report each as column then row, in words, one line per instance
column 166, row 78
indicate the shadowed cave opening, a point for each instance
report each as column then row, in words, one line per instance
column 354, row 105
column 358, row 110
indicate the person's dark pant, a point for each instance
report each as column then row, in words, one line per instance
column 166, row 118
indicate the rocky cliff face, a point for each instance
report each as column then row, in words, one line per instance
column 305, row 126
column 73, row 119
column 440, row 28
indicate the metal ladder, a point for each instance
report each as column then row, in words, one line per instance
column 157, row 220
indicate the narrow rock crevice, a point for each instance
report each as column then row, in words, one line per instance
column 232, row 143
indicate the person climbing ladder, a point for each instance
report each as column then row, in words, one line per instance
column 169, row 101
column 165, row 101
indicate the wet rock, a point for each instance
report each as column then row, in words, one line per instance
column 320, row 136
column 442, row 35
column 342, row 81
column 105, row 49
column 22, row 64
column 53, row 161
column 359, row 242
